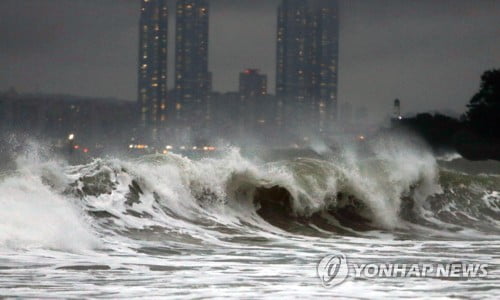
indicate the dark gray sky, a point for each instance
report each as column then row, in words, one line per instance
column 429, row 53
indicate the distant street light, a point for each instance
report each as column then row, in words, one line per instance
column 71, row 143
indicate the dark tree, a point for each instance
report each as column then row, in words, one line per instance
column 438, row 130
column 484, row 107
column 476, row 136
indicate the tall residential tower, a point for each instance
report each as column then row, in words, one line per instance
column 153, row 66
column 307, row 62
column 193, row 82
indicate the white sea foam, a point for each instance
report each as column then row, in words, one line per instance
column 34, row 214
column 449, row 157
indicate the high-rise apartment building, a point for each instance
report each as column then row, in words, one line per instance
column 193, row 82
column 153, row 65
column 307, row 62
column 325, row 61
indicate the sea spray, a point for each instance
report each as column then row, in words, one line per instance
column 49, row 204
column 35, row 214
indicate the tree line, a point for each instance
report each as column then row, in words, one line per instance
column 476, row 134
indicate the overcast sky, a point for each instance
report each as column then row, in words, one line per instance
column 428, row 53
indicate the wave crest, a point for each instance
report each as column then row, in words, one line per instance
column 388, row 186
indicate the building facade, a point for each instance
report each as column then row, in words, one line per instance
column 193, row 81
column 292, row 61
column 254, row 105
column 252, row 84
column 153, row 40
column 325, row 61
column 307, row 63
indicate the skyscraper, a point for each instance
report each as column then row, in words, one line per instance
column 292, row 88
column 325, row 61
column 153, row 65
column 192, row 79
column 307, row 62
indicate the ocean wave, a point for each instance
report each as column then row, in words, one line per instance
column 34, row 213
column 52, row 205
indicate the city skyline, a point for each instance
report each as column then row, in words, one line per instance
column 443, row 71
column 307, row 61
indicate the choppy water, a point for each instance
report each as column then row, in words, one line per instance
column 233, row 227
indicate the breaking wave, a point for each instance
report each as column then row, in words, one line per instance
column 389, row 185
